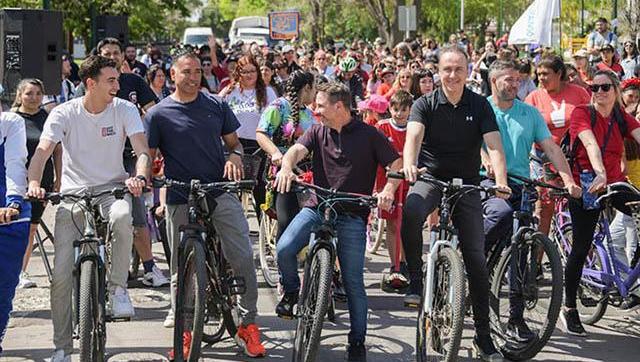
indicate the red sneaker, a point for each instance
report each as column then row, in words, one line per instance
column 186, row 346
column 249, row 339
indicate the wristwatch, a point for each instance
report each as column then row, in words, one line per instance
column 236, row 152
column 15, row 205
column 141, row 178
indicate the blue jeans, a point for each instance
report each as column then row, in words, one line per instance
column 351, row 231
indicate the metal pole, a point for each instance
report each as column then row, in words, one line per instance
column 500, row 20
column 582, row 18
column 461, row 14
column 46, row 4
column 407, row 32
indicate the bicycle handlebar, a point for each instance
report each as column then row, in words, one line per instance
column 363, row 200
column 57, row 197
column 455, row 184
column 618, row 188
column 227, row 186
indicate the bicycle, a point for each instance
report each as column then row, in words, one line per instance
column 92, row 261
column 39, row 244
column 525, row 272
column 205, row 299
column 315, row 299
column 441, row 309
column 602, row 283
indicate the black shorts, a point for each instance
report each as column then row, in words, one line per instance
column 37, row 209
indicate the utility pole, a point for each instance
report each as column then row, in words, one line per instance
column 46, row 4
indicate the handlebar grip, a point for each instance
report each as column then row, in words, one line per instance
column 396, row 175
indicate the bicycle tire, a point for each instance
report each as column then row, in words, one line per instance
column 224, row 314
column 549, row 315
column 90, row 338
column 314, row 303
column 428, row 338
column 193, row 268
column 375, row 233
column 267, row 242
column 134, row 269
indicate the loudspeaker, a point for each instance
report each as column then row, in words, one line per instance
column 31, row 43
column 112, row 26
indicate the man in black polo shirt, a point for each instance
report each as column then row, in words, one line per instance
column 346, row 155
column 447, row 129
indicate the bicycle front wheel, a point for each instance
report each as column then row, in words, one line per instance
column 190, row 300
column 91, row 333
column 313, row 306
column 267, row 243
column 526, row 286
column 375, row 233
column 440, row 334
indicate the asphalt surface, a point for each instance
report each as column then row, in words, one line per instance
column 391, row 327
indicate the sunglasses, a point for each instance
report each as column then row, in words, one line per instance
column 206, row 64
column 595, row 88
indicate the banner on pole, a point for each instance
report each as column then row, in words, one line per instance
column 535, row 24
column 284, row 25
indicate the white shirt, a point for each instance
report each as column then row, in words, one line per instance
column 243, row 104
column 13, row 143
column 92, row 144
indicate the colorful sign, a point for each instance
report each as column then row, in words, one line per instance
column 284, row 25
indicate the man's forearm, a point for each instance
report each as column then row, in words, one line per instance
column 560, row 163
column 143, row 166
column 36, row 167
column 393, row 183
column 292, row 157
column 499, row 166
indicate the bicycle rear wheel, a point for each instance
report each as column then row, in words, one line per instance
column 267, row 243
column 441, row 334
column 222, row 312
column 190, row 300
column 591, row 301
column 313, row 306
column 91, row 332
column 375, row 233
column 523, row 287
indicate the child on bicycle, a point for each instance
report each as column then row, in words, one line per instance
column 395, row 129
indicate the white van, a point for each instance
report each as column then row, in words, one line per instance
column 196, row 36
column 250, row 29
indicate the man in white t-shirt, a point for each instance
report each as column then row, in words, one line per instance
column 92, row 130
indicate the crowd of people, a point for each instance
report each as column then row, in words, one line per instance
column 352, row 113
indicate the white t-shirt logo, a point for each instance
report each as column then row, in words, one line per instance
column 469, row 118
column 108, row 131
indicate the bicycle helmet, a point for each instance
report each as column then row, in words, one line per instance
column 348, row 64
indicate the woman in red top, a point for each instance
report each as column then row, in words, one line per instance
column 556, row 99
column 603, row 166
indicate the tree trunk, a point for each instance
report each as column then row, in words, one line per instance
column 377, row 10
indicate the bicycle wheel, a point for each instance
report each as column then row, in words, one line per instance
column 90, row 331
column 375, row 233
column 591, row 301
column 161, row 226
column 134, row 268
column 313, row 305
column 267, row 244
column 516, row 286
column 190, row 300
column 222, row 312
column 441, row 334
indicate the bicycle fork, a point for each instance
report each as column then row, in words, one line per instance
column 436, row 245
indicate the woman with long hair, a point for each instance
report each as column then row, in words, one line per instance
column 422, row 83
column 268, row 71
column 248, row 96
column 157, row 81
column 555, row 99
column 282, row 122
column 630, row 59
column 27, row 104
column 598, row 163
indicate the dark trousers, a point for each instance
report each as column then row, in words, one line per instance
column 287, row 207
column 584, row 225
column 422, row 199
column 249, row 147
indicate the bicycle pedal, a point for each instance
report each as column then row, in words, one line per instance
column 589, row 302
column 236, row 285
column 117, row 319
column 289, row 318
column 411, row 305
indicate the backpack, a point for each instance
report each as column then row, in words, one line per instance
column 570, row 151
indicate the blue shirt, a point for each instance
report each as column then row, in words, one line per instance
column 520, row 127
column 188, row 136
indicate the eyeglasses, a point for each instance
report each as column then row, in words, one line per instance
column 246, row 72
column 596, row 87
column 206, row 64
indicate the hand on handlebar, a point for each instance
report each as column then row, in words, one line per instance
column 574, row 190
column 6, row 213
column 284, row 179
column 385, row 199
column 411, row 174
column 503, row 191
column 598, row 185
column 233, row 169
column 35, row 191
column 135, row 186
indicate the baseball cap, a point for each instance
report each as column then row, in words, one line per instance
column 386, row 71
column 286, row 49
column 582, row 53
column 376, row 103
column 607, row 47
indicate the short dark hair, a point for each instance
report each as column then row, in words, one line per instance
column 453, row 49
column 92, row 66
column 130, row 45
column 107, row 41
column 337, row 92
column 500, row 65
column 602, row 20
column 556, row 64
column 401, row 99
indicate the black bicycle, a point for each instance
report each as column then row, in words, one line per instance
column 91, row 265
column 525, row 276
column 206, row 302
column 315, row 298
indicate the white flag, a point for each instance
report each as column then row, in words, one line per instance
column 534, row 26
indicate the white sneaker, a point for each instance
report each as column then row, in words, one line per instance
column 25, row 282
column 170, row 321
column 121, row 306
column 58, row 356
column 155, row 278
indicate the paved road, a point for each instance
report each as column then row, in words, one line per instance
column 391, row 333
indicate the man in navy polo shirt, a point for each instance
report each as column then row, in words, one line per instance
column 187, row 127
column 346, row 155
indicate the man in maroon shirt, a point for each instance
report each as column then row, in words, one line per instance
column 346, row 154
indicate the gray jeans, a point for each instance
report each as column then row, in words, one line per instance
column 67, row 218
column 233, row 230
column 624, row 239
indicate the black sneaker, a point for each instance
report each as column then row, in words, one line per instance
column 284, row 309
column 404, row 269
column 518, row 331
column 572, row 324
column 356, row 352
column 630, row 303
column 485, row 350
column 412, row 298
